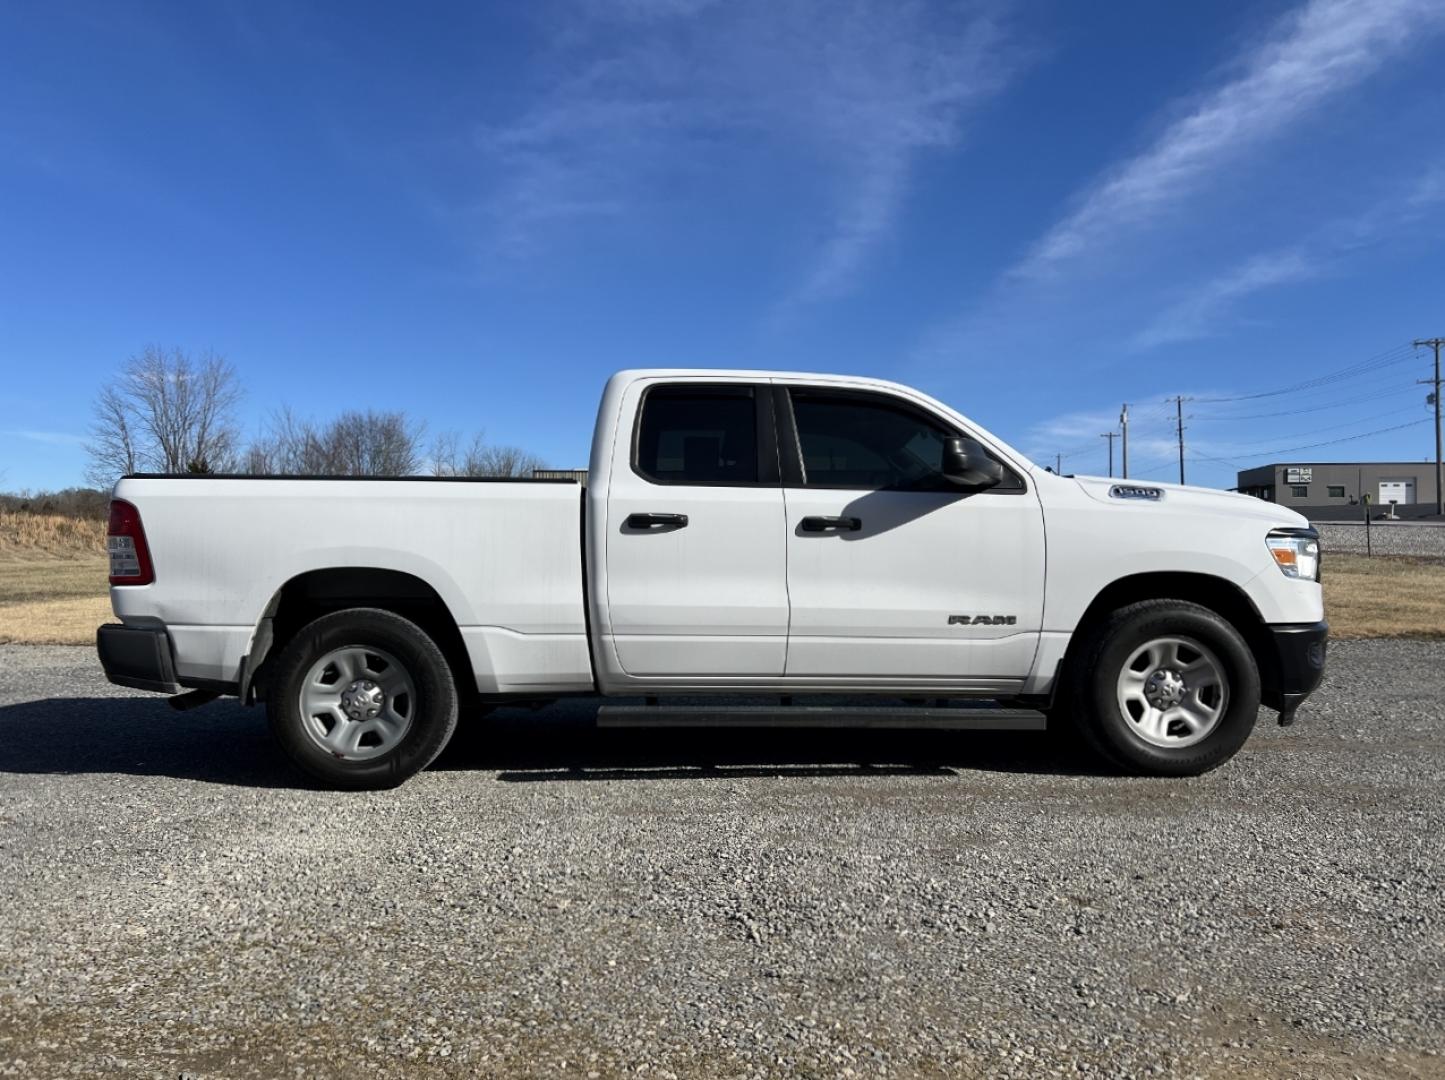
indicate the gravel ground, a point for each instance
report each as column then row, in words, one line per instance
column 1386, row 538
column 554, row 900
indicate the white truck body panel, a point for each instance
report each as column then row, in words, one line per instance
column 710, row 599
column 742, row 598
column 1095, row 539
column 503, row 557
column 867, row 603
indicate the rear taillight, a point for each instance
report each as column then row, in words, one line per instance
column 125, row 539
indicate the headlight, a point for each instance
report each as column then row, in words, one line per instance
column 1296, row 552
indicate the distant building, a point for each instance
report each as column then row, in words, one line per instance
column 580, row 475
column 1333, row 483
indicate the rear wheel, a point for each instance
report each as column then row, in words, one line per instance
column 362, row 698
column 1165, row 688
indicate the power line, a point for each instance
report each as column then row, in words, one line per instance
column 1357, row 420
column 1341, row 404
column 1398, row 355
column 1333, row 442
column 1152, row 466
column 1210, row 457
column 1254, row 455
column 1070, row 451
column 1339, row 390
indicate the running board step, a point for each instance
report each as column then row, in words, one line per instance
column 820, row 716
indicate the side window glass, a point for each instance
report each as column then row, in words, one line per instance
column 852, row 441
column 698, row 435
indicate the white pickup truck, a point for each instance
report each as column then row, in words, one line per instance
column 741, row 533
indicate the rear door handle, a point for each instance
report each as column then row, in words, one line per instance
column 649, row 521
column 829, row 524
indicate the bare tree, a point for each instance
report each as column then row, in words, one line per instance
column 443, row 459
column 480, row 458
column 166, row 412
column 259, row 460
column 353, row 444
column 112, row 448
column 503, row 461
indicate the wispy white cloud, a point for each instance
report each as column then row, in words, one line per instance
column 1193, row 318
column 668, row 95
column 1319, row 50
column 52, row 438
column 1201, row 313
column 1070, row 429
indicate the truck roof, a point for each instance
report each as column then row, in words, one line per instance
column 634, row 374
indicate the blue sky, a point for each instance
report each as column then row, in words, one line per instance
column 1034, row 210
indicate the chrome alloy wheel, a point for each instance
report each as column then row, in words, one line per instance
column 357, row 702
column 1173, row 692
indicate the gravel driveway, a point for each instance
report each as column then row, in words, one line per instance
column 554, row 900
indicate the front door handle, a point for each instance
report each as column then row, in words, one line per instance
column 829, row 524
column 651, row 521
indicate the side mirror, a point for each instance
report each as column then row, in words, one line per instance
column 967, row 464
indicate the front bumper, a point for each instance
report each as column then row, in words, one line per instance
column 138, row 657
column 1297, row 668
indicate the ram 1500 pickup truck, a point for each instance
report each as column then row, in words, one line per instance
column 740, row 533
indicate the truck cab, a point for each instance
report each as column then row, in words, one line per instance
column 797, row 532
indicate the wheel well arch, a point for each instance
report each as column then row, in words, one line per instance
column 309, row 595
column 1218, row 594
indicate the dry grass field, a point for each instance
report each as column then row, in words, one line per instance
column 53, row 586
column 1384, row 596
column 52, row 579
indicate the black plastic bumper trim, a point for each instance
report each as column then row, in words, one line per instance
column 138, row 657
column 1299, row 653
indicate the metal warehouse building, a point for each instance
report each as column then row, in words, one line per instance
column 1337, row 483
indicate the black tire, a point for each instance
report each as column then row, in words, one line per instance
column 432, row 716
column 1094, row 688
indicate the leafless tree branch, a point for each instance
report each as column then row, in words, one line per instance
column 166, row 412
column 480, row 458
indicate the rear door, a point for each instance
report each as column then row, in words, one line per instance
column 696, row 578
column 893, row 573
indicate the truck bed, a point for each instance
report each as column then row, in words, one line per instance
column 504, row 556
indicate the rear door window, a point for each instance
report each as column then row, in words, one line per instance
column 689, row 434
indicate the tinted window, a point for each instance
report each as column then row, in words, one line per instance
column 850, row 441
column 698, row 435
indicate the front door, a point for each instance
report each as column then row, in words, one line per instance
column 893, row 573
column 696, row 581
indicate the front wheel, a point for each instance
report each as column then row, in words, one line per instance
column 361, row 699
column 1165, row 688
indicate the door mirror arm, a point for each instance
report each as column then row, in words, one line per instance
column 968, row 466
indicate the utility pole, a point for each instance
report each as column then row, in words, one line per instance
column 1179, row 430
column 1435, row 344
column 1111, row 436
column 1124, row 437
column 1058, row 464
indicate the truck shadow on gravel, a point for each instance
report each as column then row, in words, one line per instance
column 223, row 743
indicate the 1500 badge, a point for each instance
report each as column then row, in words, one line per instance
column 982, row 620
